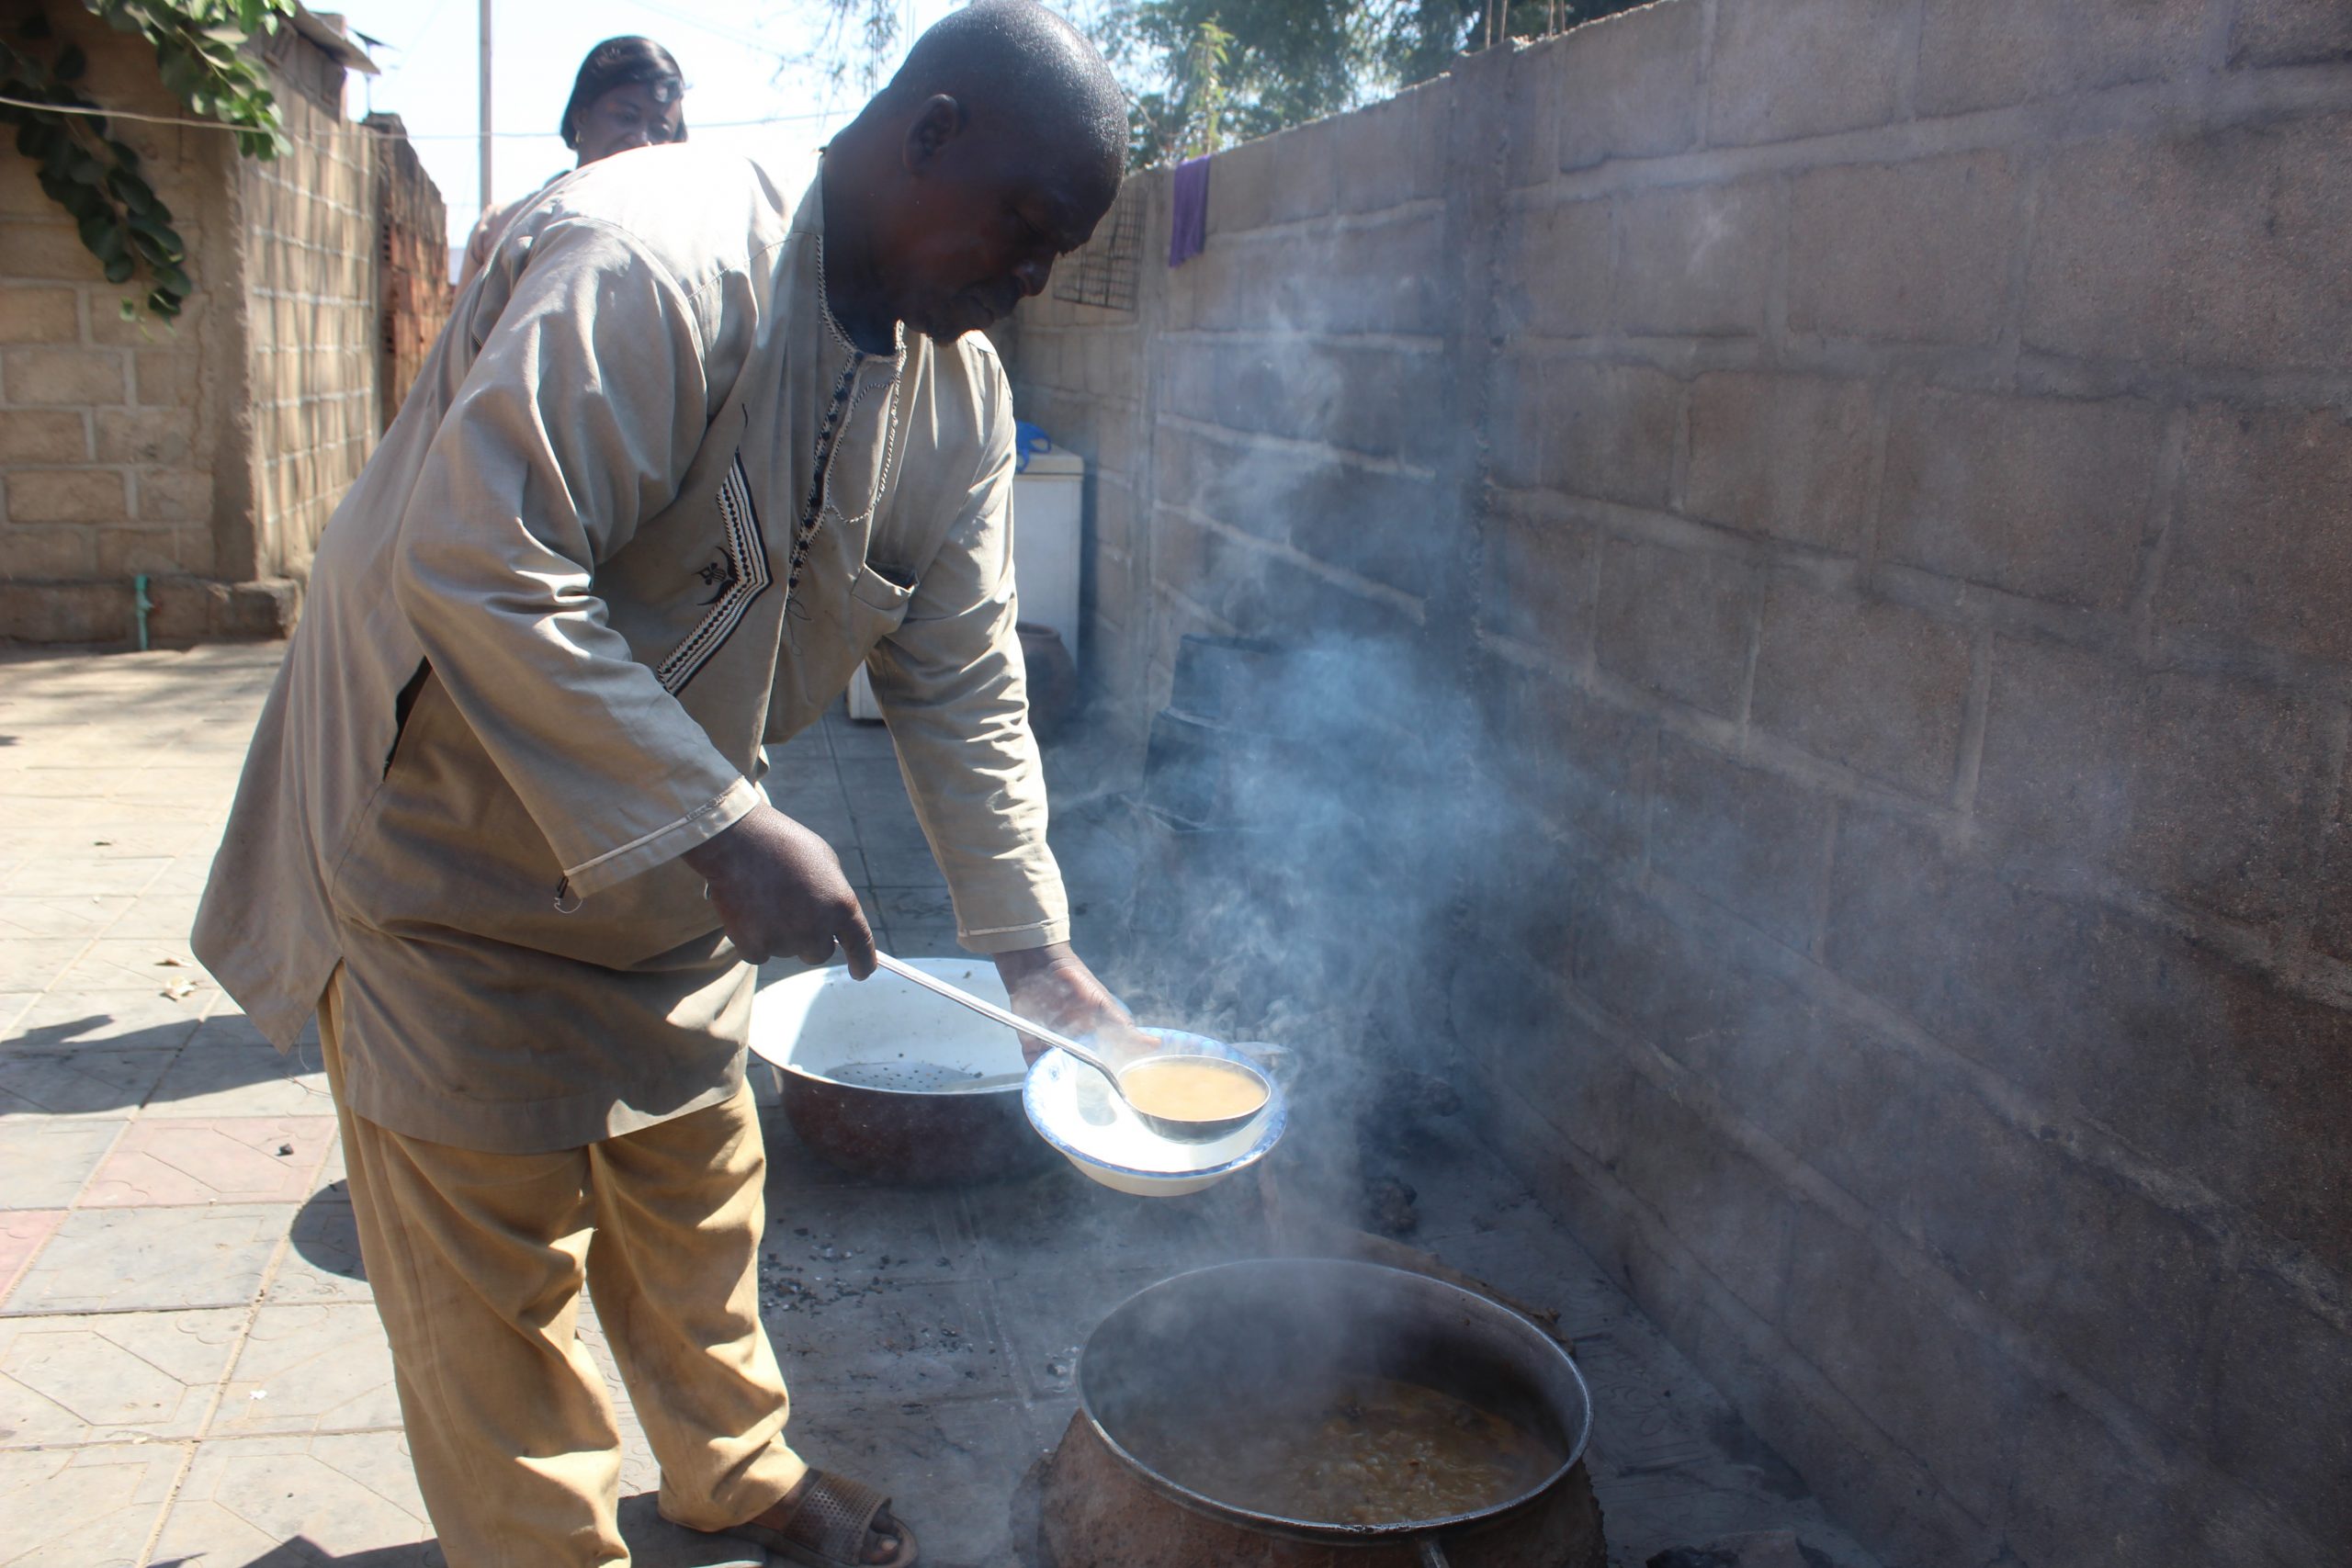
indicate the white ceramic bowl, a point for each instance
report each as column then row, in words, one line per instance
column 1076, row 1111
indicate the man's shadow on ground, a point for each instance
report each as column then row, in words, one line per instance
column 78, row 1068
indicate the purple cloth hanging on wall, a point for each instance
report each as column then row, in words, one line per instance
column 1188, row 228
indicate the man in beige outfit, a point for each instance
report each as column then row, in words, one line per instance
column 697, row 445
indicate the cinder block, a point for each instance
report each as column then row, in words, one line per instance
column 40, row 315
column 2290, row 32
column 1629, row 85
column 1752, row 841
column 54, row 612
column 192, row 548
column 66, row 495
column 1678, row 622
column 1391, row 152
column 2195, row 1061
column 2067, row 1455
column 2219, row 249
column 1893, row 1346
column 44, row 436
column 1783, row 69
column 2273, row 1362
column 1583, row 765
column 122, row 551
column 32, row 248
column 2203, row 788
column 1555, row 270
column 1697, row 260
column 1877, row 686
column 1978, row 54
column 1651, row 972
column 2046, row 497
column 1539, row 581
column 166, row 376
column 2258, row 544
column 1586, row 428
column 145, row 435
column 1275, row 180
column 20, row 192
column 1713, row 1197
column 1785, row 456
column 175, row 495
column 191, row 609
column 143, row 330
column 1378, row 525
column 1915, row 252
column 57, row 376
column 38, row 553
column 1530, row 97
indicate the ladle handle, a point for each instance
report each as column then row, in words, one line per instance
column 1433, row 1555
column 989, row 1010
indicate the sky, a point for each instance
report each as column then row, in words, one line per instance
column 736, row 55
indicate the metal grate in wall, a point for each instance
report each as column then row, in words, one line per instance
column 1103, row 271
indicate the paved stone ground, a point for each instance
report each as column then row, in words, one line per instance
column 191, row 1373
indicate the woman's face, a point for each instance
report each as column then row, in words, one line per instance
column 624, row 117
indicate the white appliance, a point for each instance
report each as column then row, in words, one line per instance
column 1048, row 529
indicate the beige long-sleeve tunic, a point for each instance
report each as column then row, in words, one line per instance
column 647, row 509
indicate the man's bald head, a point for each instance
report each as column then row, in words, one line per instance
column 995, row 150
column 1016, row 62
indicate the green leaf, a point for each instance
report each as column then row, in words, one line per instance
column 171, row 278
column 36, row 27
column 120, row 269
column 130, row 190
column 73, row 64
column 128, row 309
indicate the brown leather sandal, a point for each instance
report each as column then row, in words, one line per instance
column 829, row 1527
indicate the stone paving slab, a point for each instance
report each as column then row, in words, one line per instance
column 44, row 1163
column 22, row 1234
column 346, row 1500
column 79, row 1081
column 86, row 1507
column 135, row 1259
column 238, row 1076
column 111, row 1376
column 219, row 1159
column 323, row 1368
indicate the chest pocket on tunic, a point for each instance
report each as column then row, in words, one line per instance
column 832, row 635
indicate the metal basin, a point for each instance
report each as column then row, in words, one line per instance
column 1196, row 1348
column 866, row 1072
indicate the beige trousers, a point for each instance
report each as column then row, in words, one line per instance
column 477, row 1261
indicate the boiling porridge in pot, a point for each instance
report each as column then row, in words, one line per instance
column 1372, row 1451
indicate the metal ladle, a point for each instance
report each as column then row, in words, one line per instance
column 1186, row 1129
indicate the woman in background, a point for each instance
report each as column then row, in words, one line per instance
column 630, row 93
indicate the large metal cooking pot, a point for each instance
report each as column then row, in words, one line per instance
column 869, row 1071
column 1196, row 1348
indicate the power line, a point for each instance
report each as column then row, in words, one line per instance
column 551, row 135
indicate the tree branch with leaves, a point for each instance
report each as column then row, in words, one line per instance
column 203, row 56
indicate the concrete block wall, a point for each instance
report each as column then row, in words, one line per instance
column 207, row 455
column 107, row 428
column 1876, row 469
column 312, row 264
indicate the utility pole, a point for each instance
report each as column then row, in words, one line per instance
column 485, row 105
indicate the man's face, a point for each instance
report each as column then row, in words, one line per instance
column 983, row 215
column 626, row 116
